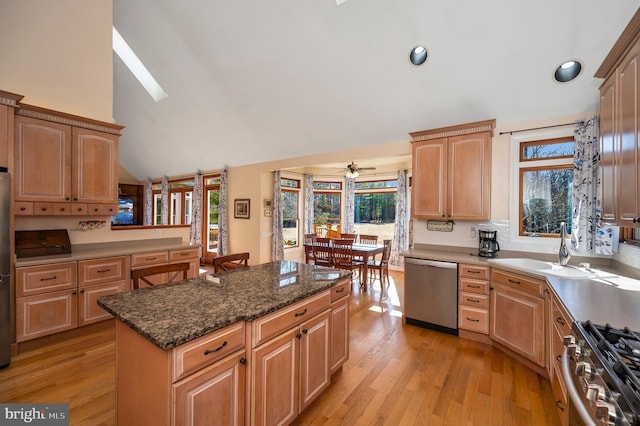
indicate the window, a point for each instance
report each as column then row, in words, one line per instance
column 180, row 202
column 375, row 208
column 290, row 193
column 327, row 203
column 211, row 212
column 545, row 185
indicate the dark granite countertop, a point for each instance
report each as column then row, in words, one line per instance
column 172, row 314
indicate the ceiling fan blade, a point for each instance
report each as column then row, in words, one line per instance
column 366, row 168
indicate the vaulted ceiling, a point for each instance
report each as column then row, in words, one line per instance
column 259, row 80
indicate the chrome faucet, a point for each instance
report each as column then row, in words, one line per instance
column 563, row 254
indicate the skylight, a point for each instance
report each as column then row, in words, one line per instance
column 136, row 66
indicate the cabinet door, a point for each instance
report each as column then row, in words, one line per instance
column 608, row 143
column 469, row 177
column 314, row 358
column 45, row 314
column 274, row 393
column 212, row 396
column 339, row 334
column 429, row 190
column 95, row 167
column 88, row 309
column 628, row 110
column 42, row 160
column 517, row 322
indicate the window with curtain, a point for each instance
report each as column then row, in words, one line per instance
column 211, row 212
column 290, row 196
column 375, row 208
column 327, row 203
column 180, row 202
column 546, row 180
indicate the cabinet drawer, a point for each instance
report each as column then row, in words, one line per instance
column 480, row 301
column 179, row 255
column 268, row 326
column 560, row 320
column 516, row 281
column 79, row 209
column 40, row 279
column 341, row 290
column 474, row 271
column 206, row 350
column 62, row 209
column 43, row 209
column 474, row 319
column 146, row 259
column 101, row 270
column 95, row 209
column 110, row 209
column 23, row 208
column 474, row 286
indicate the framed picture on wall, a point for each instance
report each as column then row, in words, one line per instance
column 241, row 208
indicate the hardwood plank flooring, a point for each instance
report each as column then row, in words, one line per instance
column 396, row 375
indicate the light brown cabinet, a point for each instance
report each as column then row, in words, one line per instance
column 190, row 255
column 559, row 326
column 619, row 126
column 473, row 298
column 452, row 172
column 517, row 315
column 291, row 359
column 64, row 159
column 340, row 295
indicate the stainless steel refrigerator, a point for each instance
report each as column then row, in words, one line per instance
column 5, row 273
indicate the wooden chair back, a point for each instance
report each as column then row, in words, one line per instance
column 308, row 251
column 351, row 237
column 145, row 274
column 371, row 240
column 343, row 253
column 230, row 262
column 322, row 251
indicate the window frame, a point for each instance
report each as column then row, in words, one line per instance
column 339, row 191
column 297, row 189
column 205, row 211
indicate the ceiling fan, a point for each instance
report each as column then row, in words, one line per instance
column 353, row 170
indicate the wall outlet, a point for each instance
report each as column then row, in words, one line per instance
column 472, row 234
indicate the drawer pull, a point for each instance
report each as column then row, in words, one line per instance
column 560, row 405
column 23, row 208
column 210, row 351
column 44, row 209
column 298, row 336
column 473, row 300
column 151, row 258
column 299, row 314
column 560, row 321
column 49, row 279
column 243, row 360
column 472, row 319
column 473, row 286
column 514, row 281
column 184, row 254
column 559, row 358
column 305, row 331
column 340, row 290
column 102, row 271
column 472, row 272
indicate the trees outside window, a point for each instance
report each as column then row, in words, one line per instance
column 375, row 208
column 290, row 193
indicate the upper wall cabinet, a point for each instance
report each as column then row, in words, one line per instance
column 8, row 103
column 61, row 158
column 619, row 126
column 452, row 172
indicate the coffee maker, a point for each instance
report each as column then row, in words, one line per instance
column 488, row 246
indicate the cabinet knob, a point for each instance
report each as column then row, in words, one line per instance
column 23, row 208
column 243, row 360
column 67, row 198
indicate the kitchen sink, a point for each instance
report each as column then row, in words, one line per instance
column 553, row 269
column 523, row 263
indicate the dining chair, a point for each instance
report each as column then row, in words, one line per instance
column 368, row 239
column 343, row 256
column 146, row 274
column 322, row 251
column 351, row 237
column 382, row 266
column 308, row 248
column 230, row 262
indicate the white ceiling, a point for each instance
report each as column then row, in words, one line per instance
column 260, row 80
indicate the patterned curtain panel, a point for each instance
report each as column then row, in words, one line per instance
column 165, row 200
column 587, row 233
column 223, row 217
column 349, row 206
column 195, row 233
column 308, row 204
column 148, row 203
column 399, row 243
column 277, row 248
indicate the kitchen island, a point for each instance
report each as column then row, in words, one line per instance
column 254, row 345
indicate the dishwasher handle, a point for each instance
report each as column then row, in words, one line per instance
column 432, row 263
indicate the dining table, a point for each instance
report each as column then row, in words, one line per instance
column 365, row 251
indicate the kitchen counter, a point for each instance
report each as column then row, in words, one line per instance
column 172, row 314
column 104, row 250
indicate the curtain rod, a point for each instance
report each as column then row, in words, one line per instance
column 537, row 128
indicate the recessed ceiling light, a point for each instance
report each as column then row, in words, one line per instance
column 418, row 55
column 567, row 71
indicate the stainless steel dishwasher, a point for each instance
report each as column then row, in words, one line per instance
column 431, row 294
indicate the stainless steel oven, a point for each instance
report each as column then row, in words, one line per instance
column 601, row 370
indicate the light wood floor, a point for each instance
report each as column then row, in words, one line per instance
column 395, row 375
